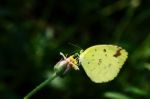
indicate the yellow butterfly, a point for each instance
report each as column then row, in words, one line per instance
column 102, row 63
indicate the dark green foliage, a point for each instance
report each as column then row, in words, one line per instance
column 33, row 32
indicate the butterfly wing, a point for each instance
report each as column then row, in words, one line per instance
column 102, row 63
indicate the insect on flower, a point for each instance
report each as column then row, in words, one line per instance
column 63, row 66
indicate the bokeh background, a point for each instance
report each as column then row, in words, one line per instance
column 33, row 32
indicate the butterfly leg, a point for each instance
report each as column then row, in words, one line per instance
column 75, row 67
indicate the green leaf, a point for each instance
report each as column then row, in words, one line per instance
column 136, row 90
column 116, row 95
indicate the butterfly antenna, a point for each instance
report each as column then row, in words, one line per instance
column 75, row 46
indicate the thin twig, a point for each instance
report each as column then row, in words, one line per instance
column 35, row 90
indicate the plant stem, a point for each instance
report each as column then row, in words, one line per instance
column 35, row 90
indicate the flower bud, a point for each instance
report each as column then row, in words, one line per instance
column 61, row 67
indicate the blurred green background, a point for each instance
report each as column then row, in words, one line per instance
column 33, row 32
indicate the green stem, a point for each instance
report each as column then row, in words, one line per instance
column 35, row 90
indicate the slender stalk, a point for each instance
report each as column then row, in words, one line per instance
column 35, row 90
